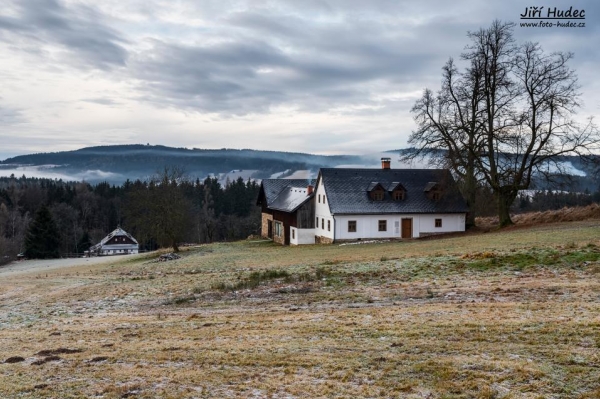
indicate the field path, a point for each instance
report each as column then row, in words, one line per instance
column 43, row 265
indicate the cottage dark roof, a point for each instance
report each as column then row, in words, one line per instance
column 118, row 232
column 286, row 194
column 290, row 199
column 347, row 191
column 373, row 185
column 430, row 186
column 395, row 185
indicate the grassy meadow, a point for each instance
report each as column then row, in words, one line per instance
column 502, row 314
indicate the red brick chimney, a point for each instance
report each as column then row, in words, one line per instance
column 309, row 190
column 385, row 163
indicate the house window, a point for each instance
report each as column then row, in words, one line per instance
column 294, row 233
column 383, row 225
column 438, row 222
column 435, row 196
column 398, row 195
column 322, row 223
column 278, row 229
column 324, row 200
column 377, row 195
column 329, row 225
column 351, row 226
column 317, row 219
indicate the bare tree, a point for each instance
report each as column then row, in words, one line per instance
column 508, row 117
column 451, row 121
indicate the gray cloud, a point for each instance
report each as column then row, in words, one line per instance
column 10, row 116
column 77, row 29
column 101, row 101
column 271, row 61
column 314, row 56
column 363, row 63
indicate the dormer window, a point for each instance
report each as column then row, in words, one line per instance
column 397, row 191
column 434, row 191
column 377, row 195
column 376, row 191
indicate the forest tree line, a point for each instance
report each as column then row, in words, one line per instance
column 168, row 210
column 163, row 211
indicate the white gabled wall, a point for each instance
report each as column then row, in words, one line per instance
column 450, row 223
column 367, row 226
column 322, row 213
column 302, row 236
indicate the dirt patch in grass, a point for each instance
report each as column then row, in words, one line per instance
column 59, row 351
column 15, row 359
column 46, row 359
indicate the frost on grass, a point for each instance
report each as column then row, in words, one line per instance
column 509, row 314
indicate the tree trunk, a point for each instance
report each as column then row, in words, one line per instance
column 470, row 222
column 470, row 196
column 175, row 246
column 505, row 200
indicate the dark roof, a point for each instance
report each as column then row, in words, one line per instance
column 347, row 191
column 118, row 232
column 395, row 185
column 373, row 185
column 286, row 194
column 430, row 186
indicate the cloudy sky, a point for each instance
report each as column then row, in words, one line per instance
column 320, row 76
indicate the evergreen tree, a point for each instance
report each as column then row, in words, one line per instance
column 84, row 243
column 42, row 240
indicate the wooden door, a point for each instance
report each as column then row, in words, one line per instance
column 406, row 228
column 270, row 229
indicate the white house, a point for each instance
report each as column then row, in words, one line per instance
column 118, row 242
column 360, row 204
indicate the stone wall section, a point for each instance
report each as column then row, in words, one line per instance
column 264, row 230
column 323, row 240
column 279, row 239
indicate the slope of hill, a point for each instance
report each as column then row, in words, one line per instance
column 505, row 314
column 118, row 163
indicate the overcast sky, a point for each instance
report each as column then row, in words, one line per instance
column 330, row 76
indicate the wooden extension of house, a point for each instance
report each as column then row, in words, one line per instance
column 287, row 210
column 118, row 242
column 345, row 204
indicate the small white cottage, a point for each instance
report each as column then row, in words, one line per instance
column 118, row 242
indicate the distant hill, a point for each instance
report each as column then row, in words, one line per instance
column 117, row 163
